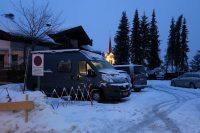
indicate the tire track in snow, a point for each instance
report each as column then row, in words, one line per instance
column 161, row 110
column 179, row 89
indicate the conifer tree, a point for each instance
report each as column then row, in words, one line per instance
column 169, row 58
column 144, row 31
column 136, row 47
column 154, row 60
column 121, row 49
column 184, row 47
column 195, row 63
column 177, row 52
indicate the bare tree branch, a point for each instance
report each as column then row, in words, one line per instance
column 35, row 21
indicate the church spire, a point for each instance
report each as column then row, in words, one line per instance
column 109, row 56
column 110, row 46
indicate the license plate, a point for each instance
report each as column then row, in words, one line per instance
column 125, row 93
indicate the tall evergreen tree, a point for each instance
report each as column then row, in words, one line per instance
column 144, row 31
column 136, row 47
column 195, row 63
column 121, row 49
column 184, row 48
column 154, row 60
column 177, row 53
column 169, row 58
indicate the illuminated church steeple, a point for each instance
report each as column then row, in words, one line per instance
column 109, row 56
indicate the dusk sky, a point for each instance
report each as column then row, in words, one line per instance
column 100, row 18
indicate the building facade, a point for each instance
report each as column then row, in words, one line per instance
column 14, row 49
column 12, row 53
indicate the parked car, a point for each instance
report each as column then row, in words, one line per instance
column 188, row 80
column 160, row 75
column 156, row 73
column 73, row 68
column 137, row 74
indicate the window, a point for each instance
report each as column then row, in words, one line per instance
column 64, row 66
column 102, row 65
column 83, row 68
column 140, row 70
column 124, row 68
column 1, row 61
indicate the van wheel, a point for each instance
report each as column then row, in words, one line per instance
column 137, row 89
column 192, row 85
column 97, row 95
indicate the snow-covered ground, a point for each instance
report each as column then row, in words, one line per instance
column 159, row 108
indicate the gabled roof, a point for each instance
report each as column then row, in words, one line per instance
column 76, row 33
column 4, row 35
column 20, row 38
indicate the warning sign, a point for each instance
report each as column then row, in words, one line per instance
column 37, row 64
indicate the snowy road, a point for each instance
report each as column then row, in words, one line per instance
column 159, row 108
column 168, row 115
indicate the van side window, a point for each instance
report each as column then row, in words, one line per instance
column 83, row 68
column 64, row 66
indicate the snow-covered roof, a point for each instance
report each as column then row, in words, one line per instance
column 128, row 65
column 55, row 51
column 45, row 38
column 89, row 48
column 92, row 55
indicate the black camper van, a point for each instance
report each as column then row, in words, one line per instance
column 75, row 68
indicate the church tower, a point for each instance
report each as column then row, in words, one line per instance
column 109, row 56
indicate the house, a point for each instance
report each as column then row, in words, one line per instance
column 13, row 48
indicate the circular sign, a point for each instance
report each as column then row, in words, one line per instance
column 37, row 61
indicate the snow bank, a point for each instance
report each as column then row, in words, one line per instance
column 41, row 119
column 75, row 117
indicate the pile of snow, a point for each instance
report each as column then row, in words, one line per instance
column 41, row 118
column 78, row 116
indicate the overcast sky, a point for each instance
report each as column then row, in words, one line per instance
column 100, row 18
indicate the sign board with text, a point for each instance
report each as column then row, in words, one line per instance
column 38, row 65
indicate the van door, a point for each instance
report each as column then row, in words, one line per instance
column 82, row 80
column 58, row 77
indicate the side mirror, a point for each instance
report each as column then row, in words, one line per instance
column 91, row 73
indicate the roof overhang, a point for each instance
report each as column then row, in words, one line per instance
column 76, row 33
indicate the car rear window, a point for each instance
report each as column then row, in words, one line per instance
column 139, row 70
column 126, row 69
column 191, row 75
